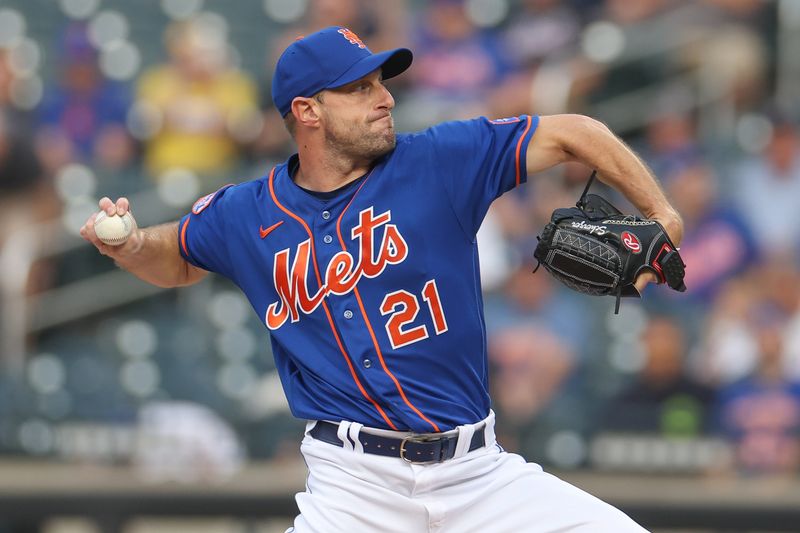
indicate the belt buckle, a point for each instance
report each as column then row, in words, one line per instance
column 419, row 438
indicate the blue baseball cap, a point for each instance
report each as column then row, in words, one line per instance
column 328, row 59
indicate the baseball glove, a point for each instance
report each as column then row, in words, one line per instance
column 594, row 248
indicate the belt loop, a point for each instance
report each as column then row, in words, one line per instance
column 464, row 439
column 342, row 433
column 489, row 429
column 353, row 432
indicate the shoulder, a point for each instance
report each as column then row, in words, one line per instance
column 441, row 130
column 232, row 195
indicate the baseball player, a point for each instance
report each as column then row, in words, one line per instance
column 359, row 255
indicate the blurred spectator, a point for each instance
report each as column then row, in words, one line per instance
column 201, row 108
column 732, row 62
column 185, row 442
column 792, row 347
column 15, row 118
column 779, row 280
column 664, row 398
column 529, row 367
column 770, row 183
column 731, row 345
column 27, row 199
column 541, row 29
column 541, row 38
column 537, row 333
column 626, row 13
column 523, row 212
column 456, row 64
column 638, row 24
column 717, row 243
column 381, row 23
column 82, row 115
column 728, row 347
column 21, row 174
column 670, row 134
column 531, row 299
column 760, row 414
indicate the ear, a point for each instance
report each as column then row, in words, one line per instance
column 306, row 111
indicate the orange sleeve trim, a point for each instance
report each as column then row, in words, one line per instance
column 369, row 325
column 183, row 236
column 519, row 150
column 325, row 305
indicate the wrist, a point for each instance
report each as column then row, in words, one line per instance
column 673, row 225
column 136, row 242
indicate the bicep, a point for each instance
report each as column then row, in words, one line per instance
column 555, row 140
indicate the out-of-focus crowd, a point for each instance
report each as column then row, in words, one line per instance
column 174, row 97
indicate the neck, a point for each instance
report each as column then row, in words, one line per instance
column 323, row 171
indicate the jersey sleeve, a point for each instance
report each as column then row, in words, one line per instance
column 202, row 233
column 478, row 160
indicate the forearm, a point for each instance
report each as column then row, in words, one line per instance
column 582, row 139
column 618, row 166
column 152, row 255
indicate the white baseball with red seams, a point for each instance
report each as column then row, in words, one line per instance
column 114, row 229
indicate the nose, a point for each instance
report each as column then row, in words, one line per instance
column 386, row 99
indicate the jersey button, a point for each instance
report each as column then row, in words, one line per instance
column 328, row 239
column 348, row 314
column 326, row 215
column 367, row 363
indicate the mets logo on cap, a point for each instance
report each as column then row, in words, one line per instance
column 352, row 37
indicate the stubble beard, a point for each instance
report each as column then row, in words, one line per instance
column 358, row 141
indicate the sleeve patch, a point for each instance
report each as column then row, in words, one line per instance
column 508, row 120
column 205, row 201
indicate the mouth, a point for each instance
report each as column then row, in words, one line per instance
column 384, row 117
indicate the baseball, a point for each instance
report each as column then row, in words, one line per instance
column 114, row 229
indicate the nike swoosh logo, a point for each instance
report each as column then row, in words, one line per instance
column 264, row 232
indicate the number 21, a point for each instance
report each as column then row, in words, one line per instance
column 404, row 308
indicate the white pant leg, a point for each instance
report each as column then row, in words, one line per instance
column 351, row 492
column 491, row 490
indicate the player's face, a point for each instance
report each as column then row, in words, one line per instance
column 357, row 118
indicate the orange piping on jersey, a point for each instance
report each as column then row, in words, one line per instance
column 183, row 236
column 519, row 149
column 369, row 326
column 325, row 305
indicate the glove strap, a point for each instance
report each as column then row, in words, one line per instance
column 582, row 200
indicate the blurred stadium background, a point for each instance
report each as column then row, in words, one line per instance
column 125, row 407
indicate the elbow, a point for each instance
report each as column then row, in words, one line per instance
column 580, row 133
column 585, row 127
column 189, row 275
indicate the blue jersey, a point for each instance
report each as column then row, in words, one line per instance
column 372, row 297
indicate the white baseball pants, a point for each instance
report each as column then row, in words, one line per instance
column 488, row 489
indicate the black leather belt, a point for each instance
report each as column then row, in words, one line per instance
column 413, row 449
